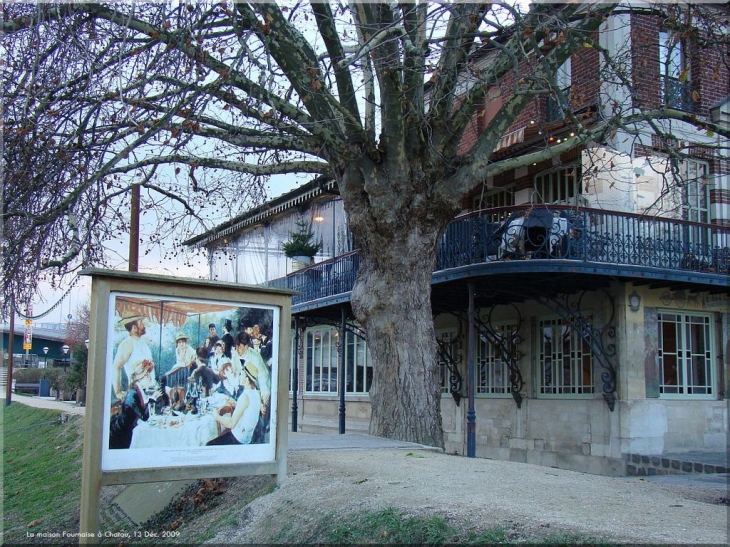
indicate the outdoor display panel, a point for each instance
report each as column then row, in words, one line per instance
column 165, row 415
column 166, row 401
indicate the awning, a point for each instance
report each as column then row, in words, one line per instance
column 163, row 311
column 509, row 139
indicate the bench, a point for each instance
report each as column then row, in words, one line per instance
column 28, row 387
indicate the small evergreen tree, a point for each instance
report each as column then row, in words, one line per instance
column 301, row 242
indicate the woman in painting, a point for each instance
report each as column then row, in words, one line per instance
column 184, row 361
column 219, row 357
column 204, row 376
column 230, row 386
column 134, row 406
column 245, row 414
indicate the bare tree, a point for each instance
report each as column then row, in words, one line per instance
column 378, row 96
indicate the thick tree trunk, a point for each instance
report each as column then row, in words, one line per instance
column 392, row 299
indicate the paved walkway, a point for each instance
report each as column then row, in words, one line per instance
column 46, row 402
column 314, row 441
column 351, row 441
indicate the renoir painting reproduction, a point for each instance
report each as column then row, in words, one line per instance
column 189, row 382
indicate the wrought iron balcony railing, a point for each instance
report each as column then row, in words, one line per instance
column 676, row 94
column 322, row 280
column 546, row 233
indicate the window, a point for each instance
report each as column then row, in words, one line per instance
column 674, row 74
column 693, row 175
column 695, row 189
column 688, row 180
column 671, row 55
column 564, row 75
column 558, row 186
column 320, row 354
column 563, row 78
column 685, row 354
column 501, row 197
column 565, row 359
column 493, row 376
column 322, row 361
column 358, row 364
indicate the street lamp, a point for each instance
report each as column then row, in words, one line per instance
column 45, row 358
column 87, row 343
column 65, row 350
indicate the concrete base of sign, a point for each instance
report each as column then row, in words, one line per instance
column 140, row 502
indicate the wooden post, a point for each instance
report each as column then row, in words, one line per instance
column 134, row 230
column 11, row 336
column 96, row 382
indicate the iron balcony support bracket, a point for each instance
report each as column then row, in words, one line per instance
column 569, row 308
column 505, row 345
column 455, row 379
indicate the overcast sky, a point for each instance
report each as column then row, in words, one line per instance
column 64, row 301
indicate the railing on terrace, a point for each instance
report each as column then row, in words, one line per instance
column 548, row 232
column 324, row 279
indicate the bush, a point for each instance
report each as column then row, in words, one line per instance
column 58, row 378
column 301, row 242
column 29, row 375
column 77, row 373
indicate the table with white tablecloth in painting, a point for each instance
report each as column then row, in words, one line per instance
column 170, row 431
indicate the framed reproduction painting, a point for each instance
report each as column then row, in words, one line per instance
column 187, row 379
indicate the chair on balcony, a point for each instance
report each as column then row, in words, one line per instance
column 532, row 234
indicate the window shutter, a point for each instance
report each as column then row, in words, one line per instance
column 651, row 359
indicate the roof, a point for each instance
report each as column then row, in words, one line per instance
column 303, row 194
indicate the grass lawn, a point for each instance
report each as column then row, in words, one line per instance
column 41, row 472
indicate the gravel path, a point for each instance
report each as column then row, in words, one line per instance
column 526, row 499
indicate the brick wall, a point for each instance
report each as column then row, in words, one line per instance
column 585, row 80
column 645, row 59
column 709, row 75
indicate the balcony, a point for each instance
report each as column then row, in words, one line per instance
column 525, row 239
column 678, row 95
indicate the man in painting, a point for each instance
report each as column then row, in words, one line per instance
column 212, row 337
column 132, row 352
column 245, row 415
column 227, row 338
column 204, row 377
